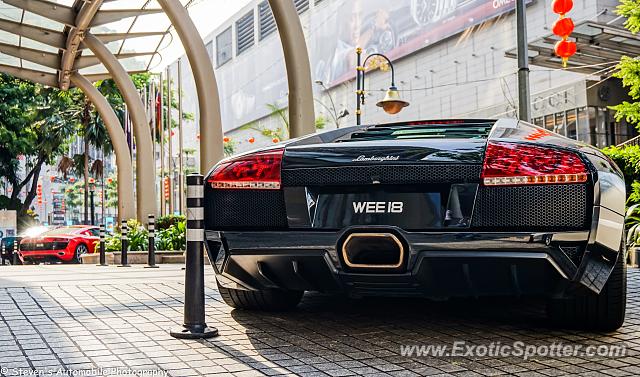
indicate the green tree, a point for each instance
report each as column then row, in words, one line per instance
column 629, row 68
column 35, row 124
column 111, row 191
column 174, row 106
column 73, row 196
column 94, row 132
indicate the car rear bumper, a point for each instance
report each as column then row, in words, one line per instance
column 62, row 255
column 443, row 264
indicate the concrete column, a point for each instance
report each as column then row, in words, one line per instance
column 211, row 150
column 144, row 146
column 126, row 208
column 296, row 57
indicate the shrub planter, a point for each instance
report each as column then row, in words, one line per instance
column 137, row 257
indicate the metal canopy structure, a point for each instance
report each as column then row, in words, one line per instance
column 64, row 43
column 61, row 43
column 599, row 45
column 42, row 40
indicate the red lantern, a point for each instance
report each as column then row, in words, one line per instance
column 52, row 178
column 109, row 181
column 562, row 6
column 167, row 188
column 566, row 49
column 226, row 139
column 252, row 140
column 71, row 179
column 563, row 27
column 275, row 140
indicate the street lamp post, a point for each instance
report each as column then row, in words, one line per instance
column 391, row 103
column 524, row 91
column 92, row 190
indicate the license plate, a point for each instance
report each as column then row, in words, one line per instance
column 442, row 206
column 39, row 245
column 406, row 210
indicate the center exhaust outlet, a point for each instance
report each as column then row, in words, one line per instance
column 381, row 251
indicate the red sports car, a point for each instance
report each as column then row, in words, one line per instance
column 65, row 244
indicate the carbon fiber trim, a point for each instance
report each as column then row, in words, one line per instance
column 533, row 208
column 244, row 209
column 385, row 174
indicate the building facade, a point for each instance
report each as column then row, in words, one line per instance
column 450, row 56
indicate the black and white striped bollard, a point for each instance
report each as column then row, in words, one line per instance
column 4, row 251
column 14, row 252
column 194, row 326
column 103, row 251
column 152, row 242
column 124, row 230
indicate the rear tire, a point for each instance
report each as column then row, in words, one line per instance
column 603, row 312
column 77, row 255
column 265, row 300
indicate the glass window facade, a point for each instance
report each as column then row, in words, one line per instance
column 591, row 125
column 224, row 51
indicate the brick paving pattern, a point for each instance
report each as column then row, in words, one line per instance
column 85, row 318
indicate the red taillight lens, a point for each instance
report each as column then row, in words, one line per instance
column 258, row 171
column 517, row 164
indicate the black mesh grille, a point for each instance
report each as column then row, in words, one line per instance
column 394, row 174
column 255, row 209
column 553, row 207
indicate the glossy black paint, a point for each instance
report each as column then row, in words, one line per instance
column 401, row 151
column 435, row 228
column 516, row 257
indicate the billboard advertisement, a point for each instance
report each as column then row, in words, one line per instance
column 394, row 28
column 250, row 83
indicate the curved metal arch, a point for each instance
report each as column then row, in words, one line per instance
column 145, row 167
column 211, row 147
column 126, row 207
column 296, row 57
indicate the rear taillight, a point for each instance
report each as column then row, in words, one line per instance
column 518, row 164
column 258, row 171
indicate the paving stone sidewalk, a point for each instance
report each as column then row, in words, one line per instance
column 85, row 320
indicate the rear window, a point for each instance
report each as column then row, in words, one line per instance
column 424, row 130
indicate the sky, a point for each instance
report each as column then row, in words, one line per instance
column 207, row 16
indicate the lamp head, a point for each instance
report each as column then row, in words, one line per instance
column 391, row 103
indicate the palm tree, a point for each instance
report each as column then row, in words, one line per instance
column 94, row 133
